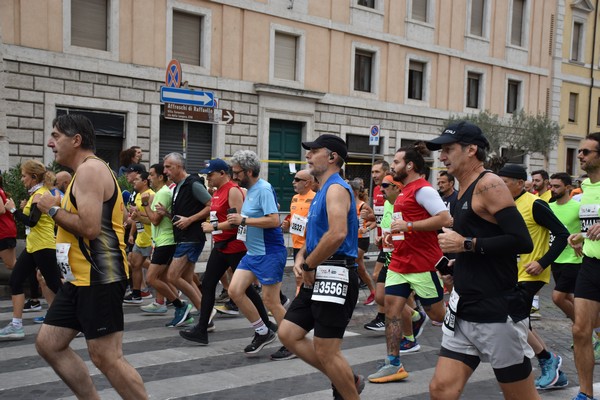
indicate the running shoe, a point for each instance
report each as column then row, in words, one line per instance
column 418, row 325
column 535, row 313
column 188, row 322
column 154, row 308
column 377, row 325
column 222, row 297
column 182, row 313
column 146, row 294
column 561, row 382
column 228, row 308
column 370, row 300
column 39, row 320
column 388, row 373
column 10, row 332
column 409, row 346
column 130, row 299
column 550, row 369
column 282, row 354
column 259, row 342
column 582, row 396
column 32, row 305
column 195, row 335
column 359, row 382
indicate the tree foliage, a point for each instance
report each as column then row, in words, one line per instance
column 522, row 134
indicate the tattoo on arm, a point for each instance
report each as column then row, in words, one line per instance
column 485, row 188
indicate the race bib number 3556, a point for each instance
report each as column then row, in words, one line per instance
column 331, row 284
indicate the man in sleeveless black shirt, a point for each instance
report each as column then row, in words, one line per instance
column 486, row 317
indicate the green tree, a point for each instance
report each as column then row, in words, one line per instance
column 522, row 134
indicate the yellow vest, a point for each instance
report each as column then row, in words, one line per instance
column 41, row 236
column 144, row 235
column 539, row 235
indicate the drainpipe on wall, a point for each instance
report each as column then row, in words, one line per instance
column 592, row 70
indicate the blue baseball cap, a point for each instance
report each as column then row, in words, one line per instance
column 216, row 164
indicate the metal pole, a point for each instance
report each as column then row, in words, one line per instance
column 185, row 143
column 371, row 177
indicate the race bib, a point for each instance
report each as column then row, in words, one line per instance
column 213, row 219
column 397, row 235
column 588, row 215
column 62, row 260
column 331, row 284
column 139, row 226
column 450, row 317
column 298, row 225
column 242, row 230
column 378, row 211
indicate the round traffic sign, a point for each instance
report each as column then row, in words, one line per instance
column 173, row 76
column 375, row 130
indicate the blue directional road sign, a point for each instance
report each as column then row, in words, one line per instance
column 187, row 96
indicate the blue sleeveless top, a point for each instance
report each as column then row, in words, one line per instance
column 318, row 223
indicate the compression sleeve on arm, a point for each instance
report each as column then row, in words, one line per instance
column 515, row 239
column 29, row 220
column 543, row 215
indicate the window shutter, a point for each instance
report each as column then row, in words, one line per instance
column 477, row 15
column 199, row 142
column 419, row 10
column 89, row 24
column 516, row 36
column 575, row 41
column 187, row 30
column 285, row 56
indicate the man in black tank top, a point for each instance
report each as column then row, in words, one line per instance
column 486, row 317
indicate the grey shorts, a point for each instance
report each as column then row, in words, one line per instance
column 144, row 251
column 500, row 344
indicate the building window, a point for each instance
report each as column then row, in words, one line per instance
column 477, row 18
column 285, row 56
column 367, row 3
column 363, row 68
column 416, row 73
column 513, row 156
column 418, row 10
column 573, row 97
column 110, row 131
column 576, row 41
column 473, row 87
column 512, row 96
column 187, row 38
column 89, row 24
column 517, row 23
column 598, row 113
column 571, row 159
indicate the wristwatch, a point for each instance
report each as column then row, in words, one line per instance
column 12, row 210
column 306, row 267
column 243, row 221
column 468, row 244
column 215, row 226
column 144, row 204
column 53, row 210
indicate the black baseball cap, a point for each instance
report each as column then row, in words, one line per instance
column 514, row 171
column 331, row 142
column 461, row 131
column 139, row 168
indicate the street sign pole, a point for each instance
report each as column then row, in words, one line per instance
column 185, row 143
column 373, row 142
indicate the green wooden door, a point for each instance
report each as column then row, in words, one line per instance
column 285, row 139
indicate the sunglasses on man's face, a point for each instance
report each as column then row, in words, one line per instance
column 386, row 185
column 299, row 180
column 586, row 152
